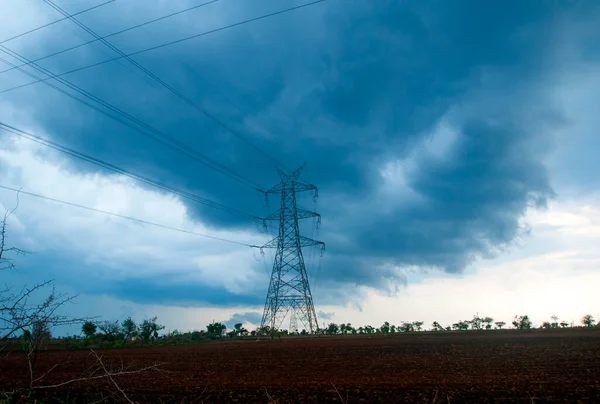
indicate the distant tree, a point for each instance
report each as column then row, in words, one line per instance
column 418, row 325
column 239, row 330
column 149, row 329
column 385, row 328
column 435, row 326
column 110, row 329
column 448, row 328
column 554, row 323
column 41, row 330
column 89, row 329
column 499, row 324
column 216, row 329
column 369, row 329
column 462, row 325
column 393, row 329
column 407, row 327
column 488, row 322
column 129, row 328
column 588, row 320
column 332, row 329
column 477, row 322
column 564, row 324
column 361, row 330
column 522, row 322
column 546, row 325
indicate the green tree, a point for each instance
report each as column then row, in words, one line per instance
column 564, row 324
column 588, row 320
column 218, row 329
column 110, row 329
column 477, row 322
column 522, row 322
column 499, row 324
column 488, row 322
column 462, row 325
column 418, row 325
column 149, row 329
column 89, row 329
column 332, row 328
column 41, row 331
column 385, row 328
column 407, row 327
column 239, row 330
column 130, row 328
column 554, row 322
column 437, row 326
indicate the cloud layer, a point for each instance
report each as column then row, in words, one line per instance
column 429, row 128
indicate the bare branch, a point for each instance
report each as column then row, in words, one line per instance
column 6, row 263
column 104, row 376
column 109, row 375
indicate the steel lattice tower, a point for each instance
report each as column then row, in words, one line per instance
column 288, row 288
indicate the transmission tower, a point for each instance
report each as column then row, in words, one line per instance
column 289, row 290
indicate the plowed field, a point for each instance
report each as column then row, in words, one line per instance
column 506, row 366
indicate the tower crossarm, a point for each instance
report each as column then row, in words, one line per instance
column 304, row 242
column 302, row 214
column 308, row 242
column 301, row 186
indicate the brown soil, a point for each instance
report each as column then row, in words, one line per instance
column 506, row 366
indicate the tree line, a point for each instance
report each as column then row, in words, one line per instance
column 112, row 333
column 520, row 322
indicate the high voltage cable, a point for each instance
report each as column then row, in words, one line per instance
column 169, row 87
column 112, row 167
column 106, row 36
column 56, row 21
column 155, row 135
column 168, row 43
column 56, row 76
column 127, row 217
column 97, row 38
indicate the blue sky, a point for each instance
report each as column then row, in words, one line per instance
column 443, row 137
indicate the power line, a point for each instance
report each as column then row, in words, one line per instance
column 141, row 25
column 56, row 21
column 109, row 35
column 156, row 135
column 114, row 168
column 126, row 217
column 167, row 44
column 169, row 87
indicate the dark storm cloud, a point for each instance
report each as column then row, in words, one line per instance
column 346, row 87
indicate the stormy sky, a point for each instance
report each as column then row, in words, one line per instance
column 453, row 145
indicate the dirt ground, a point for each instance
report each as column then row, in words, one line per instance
column 506, row 366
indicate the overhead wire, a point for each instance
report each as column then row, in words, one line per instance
column 98, row 38
column 56, row 21
column 20, row 191
column 82, row 156
column 105, row 36
column 172, row 89
column 155, row 134
column 212, row 31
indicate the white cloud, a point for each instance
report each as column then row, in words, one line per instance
column 524, row 281
column 125, row 248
